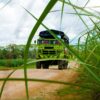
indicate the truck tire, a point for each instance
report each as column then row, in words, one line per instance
column 45, row 66
column 65, row 65
column 38, row 65
column 60, row 65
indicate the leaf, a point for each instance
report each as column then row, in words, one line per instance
column 38, row 23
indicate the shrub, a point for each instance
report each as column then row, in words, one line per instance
column 11, row 62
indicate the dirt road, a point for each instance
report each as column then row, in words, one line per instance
column 15, row 90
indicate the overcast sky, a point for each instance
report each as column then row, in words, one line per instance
column 16, row 24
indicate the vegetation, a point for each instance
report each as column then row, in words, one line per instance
column 90, row 53
column 11, row 62
column 13, row 55
column 87, row 53
column 14, row 51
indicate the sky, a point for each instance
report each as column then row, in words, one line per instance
column 16, row 24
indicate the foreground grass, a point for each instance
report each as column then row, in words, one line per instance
column 72, row 93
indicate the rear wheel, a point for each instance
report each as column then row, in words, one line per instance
column 65, row 65
column 62, row 65
column 38, row 65
column 45, row 66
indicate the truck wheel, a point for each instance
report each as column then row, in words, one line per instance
column 38, row 65
column 60, row 65
column 65, row 65
column 45, row 66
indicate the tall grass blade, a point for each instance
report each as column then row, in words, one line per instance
column 79, row 16
column 4, row 83
column 6, row 4
column 86, row 3
column 81, row 9
column 62, row 10
column 43, row 15
column 46, row 81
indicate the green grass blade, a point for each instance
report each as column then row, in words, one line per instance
column 6, row 4
column 4, row 83
column 79, row 16
column 81, row 9
column 62, row 10
column 45, row 81
column 89, row 55
column 38, row 23
column 96, row 24
column 86, row 3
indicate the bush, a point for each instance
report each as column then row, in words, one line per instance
column 90, row 70
column 11, row 62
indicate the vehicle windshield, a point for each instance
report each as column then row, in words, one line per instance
column 46, row 34
column 59, row 34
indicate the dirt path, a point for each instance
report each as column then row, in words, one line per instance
column 37, row 91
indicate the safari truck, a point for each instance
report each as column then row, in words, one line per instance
column 49, row 51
